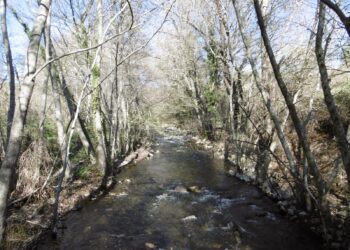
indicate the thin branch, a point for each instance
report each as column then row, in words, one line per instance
column 97, row 46
column 343, row 18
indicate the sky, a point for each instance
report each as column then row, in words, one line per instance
column 303, row 13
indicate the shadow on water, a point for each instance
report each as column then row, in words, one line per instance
column 180, row 199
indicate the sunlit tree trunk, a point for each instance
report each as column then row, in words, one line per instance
column 15, row 139
column 101, row 151
column 55, row 79
column 80, row 126
column 10, row 68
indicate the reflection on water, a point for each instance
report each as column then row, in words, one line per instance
column 180, row 199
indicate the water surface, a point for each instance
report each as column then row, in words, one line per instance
column 151, row 208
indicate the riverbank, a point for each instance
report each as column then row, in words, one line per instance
column 28, row 222
column 336, row 235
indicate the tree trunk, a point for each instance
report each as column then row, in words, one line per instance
column 343, row 18
column 263, row 160
column 15, row 139
column 61, row 135
column 265, row 98
column 339, row 130
column 10, row 68
column 101, row 150
column 42, row 114
column 80, row 126
column 292, row 109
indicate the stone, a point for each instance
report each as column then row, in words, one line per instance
column 315, row 221
column 189, row 218
column 290, row 211
column 237, row 237
column 194, row 189
column 329, row 237
column 181, row 190
column 283, row 208
column 127, row 181
column 122, row 194
column 261, row 214
column 294, row 218
column 339, row 233
column 216, row 246
column 150, row 245
column 228, row 227
column 302, row 214
column 231, row 172
column 283, row 203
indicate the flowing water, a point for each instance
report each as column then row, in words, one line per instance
column 180, row 199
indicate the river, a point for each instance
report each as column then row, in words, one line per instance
column 180, row 199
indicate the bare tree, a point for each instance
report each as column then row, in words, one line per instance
column 300, row 130
column 10, row 67
column 15, row 138
column 340, row 13
column 339, row 130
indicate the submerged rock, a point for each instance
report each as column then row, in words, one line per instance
column 122, row 194
column 228, row 227
column 189, row 218
column 149, row 245
column 127, row 181
column 231, row 172
column 302, row 214
column 194, row 189
column 181, row 190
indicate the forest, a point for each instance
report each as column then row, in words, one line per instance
column 89, row 87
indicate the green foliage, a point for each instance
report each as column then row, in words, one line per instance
column 82, row 37
column 211, row 98
column 342, row 97
column 210, row 91
column 96, row 73
column 346, row 53
column 18, row 231
column 213, row 62
column 50, row 135
column 84, row 172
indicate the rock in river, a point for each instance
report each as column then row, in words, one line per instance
column 195, row 189
column 149, row 245
column 189, row 218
